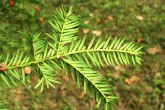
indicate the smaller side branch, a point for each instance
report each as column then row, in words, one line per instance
column 96, row 83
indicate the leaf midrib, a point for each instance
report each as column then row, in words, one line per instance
column 103, row 50
column 61, row 34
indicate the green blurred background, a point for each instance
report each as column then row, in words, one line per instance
column 139, row 87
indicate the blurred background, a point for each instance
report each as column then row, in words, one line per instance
column 140, row 87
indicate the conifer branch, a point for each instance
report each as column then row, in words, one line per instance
column 67, row 53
